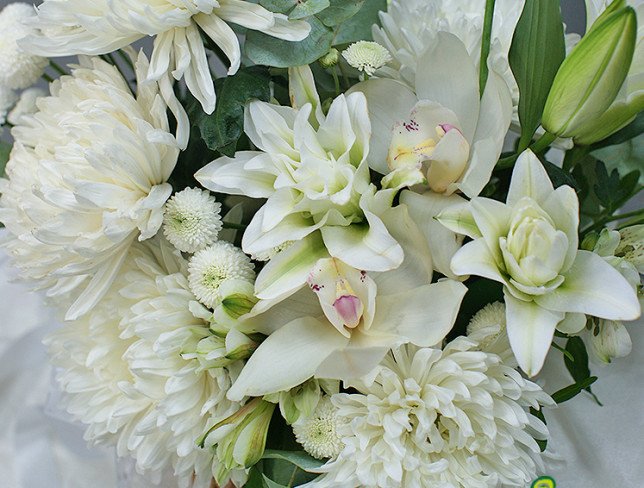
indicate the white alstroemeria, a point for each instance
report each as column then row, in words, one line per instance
column 313, row 171
column 454, row 417
column 631, row 246
column 440, row 132
column 530, row 245
column 344, row 322
column 409, row 28
column 611, row 246
column 101, row 26
column 88, row 175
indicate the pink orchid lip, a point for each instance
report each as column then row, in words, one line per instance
column 349, row 308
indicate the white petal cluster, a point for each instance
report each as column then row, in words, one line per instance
column 123, row 374
column 409, row 28
column 7, row 100
column 192, row 220
column 87, row 177
column 18, row 68
column 454, row 418
column 26, row 105
column 488, row 327
column 366, row 56
column 102, row 26
column 212, row 266
column 318, row 433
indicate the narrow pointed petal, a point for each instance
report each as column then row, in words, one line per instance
column 594, row 287
column 529, row 179
column 530, row 330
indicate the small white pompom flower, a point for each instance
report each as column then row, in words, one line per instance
column 318, row 433
column 366, row 56
column 18, row 69
column 210, row 267
column 192, row 220
column 488, row 328
column 26, row 104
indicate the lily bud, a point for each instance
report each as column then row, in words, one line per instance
column 238, row 298
column 610, row 340
column 592, row 75
column 240, row 439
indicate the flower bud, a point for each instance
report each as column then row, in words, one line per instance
column 330, row 59
column 238, row 298
column 240, row 439
column 610, row 340
column 590, row 78
column 299, row 401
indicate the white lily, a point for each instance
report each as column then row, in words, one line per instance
column 344, row 322
column 313, row 171
column 530, row 245
column 440, row 132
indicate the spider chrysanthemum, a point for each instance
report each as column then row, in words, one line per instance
column 18, row 69
column 192, row 220
column 366, row 56
column 318, row 433
column 210, row 267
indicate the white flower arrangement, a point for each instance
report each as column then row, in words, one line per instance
column 362, row 286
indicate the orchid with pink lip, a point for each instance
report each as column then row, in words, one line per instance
column 342, row 324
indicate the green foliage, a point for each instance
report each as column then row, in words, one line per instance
column 537, row 51
column 572, row 391
column 577, row 362
column 5, row 151
column 611, row 190
column 340, row 22
column 632, row 130
column 539, row 414
column 558, row 176
column 221, row 130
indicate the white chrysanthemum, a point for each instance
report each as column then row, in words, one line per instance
column 123, row 374
column 454, row 418
column 366, row 56
column 101, row 26
column 212, row 266
column 26, row 104
column 409, row 28
column 87, row 177
column 7, row 100
column 192, row 220
column 318, row 433
column 18, row 68
column 488, row 327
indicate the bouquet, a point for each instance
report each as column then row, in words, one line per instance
column 325, row 243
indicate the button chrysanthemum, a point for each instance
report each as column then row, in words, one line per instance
column 318, row 433
column 18, row 69
column 366, row 56
column 454, row 418
column 192, row 220
column 210, row 267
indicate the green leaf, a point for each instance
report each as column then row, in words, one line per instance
column 5, row 152
column 266, row 50
column 537, row 50
column 339, row 11
column 558, row 176
column 269, row 483
column 358, row 27
column 279, row 6
column 542, row 443
column 611, row 190
column 306, row 8
column 223, row 128
column 578, row 365
column 298, row 458
column 572, row 391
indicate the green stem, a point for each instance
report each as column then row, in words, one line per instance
column 47, row 78
column 336, row 80
column 344, row 76
column 230, row 225
column 543, row 142
column 564, row 352
column 126, row 59
column 57, row 67
column 486, row 41
column 600, row 223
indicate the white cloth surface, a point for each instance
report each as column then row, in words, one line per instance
column 602, row 446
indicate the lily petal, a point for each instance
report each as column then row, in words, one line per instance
column 529, row 179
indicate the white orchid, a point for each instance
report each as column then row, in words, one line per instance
column 101, row 26
column 344, row 322
column 440, row 132
column 313, row 171
column 530, row 245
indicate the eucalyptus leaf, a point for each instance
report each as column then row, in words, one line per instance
column 306, row 8
column 340, row 11
column 279, row 6
column 269, row 483
column 266, row 50
column 537, row 51
column 223, row 128
column 358, row 27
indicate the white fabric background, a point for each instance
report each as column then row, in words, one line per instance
column 602, row 446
